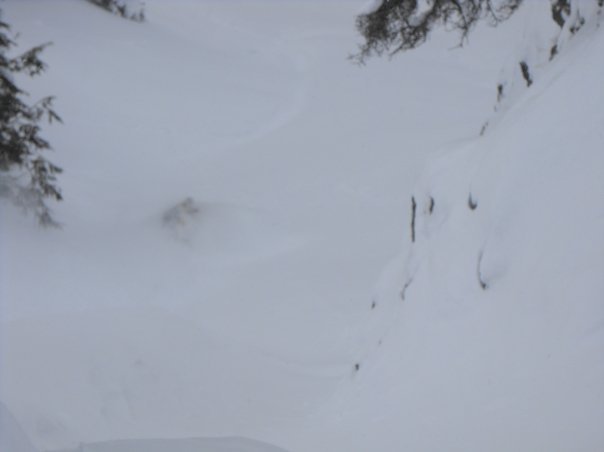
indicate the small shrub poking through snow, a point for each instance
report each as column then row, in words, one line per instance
column 179, row 218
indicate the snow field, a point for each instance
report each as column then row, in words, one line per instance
column 247, row 315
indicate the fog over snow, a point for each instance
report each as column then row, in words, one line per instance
column 240, row 266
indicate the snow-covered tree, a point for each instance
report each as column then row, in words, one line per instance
column 391, row 26
column 27, row 178
column 129, row 9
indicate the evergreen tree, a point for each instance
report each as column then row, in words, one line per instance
column 26, row 177
column 129, row 9
column 398, row 25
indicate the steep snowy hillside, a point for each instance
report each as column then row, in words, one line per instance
column 497, row 337
column 234, row 188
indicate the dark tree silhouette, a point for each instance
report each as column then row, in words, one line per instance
column 129, row 9
column 398, row 25
column 26, row 177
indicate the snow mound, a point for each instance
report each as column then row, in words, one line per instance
column 229, row 231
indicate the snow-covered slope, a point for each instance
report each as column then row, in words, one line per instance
column 497, row 341
column 234, row 188
column 12, row 436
